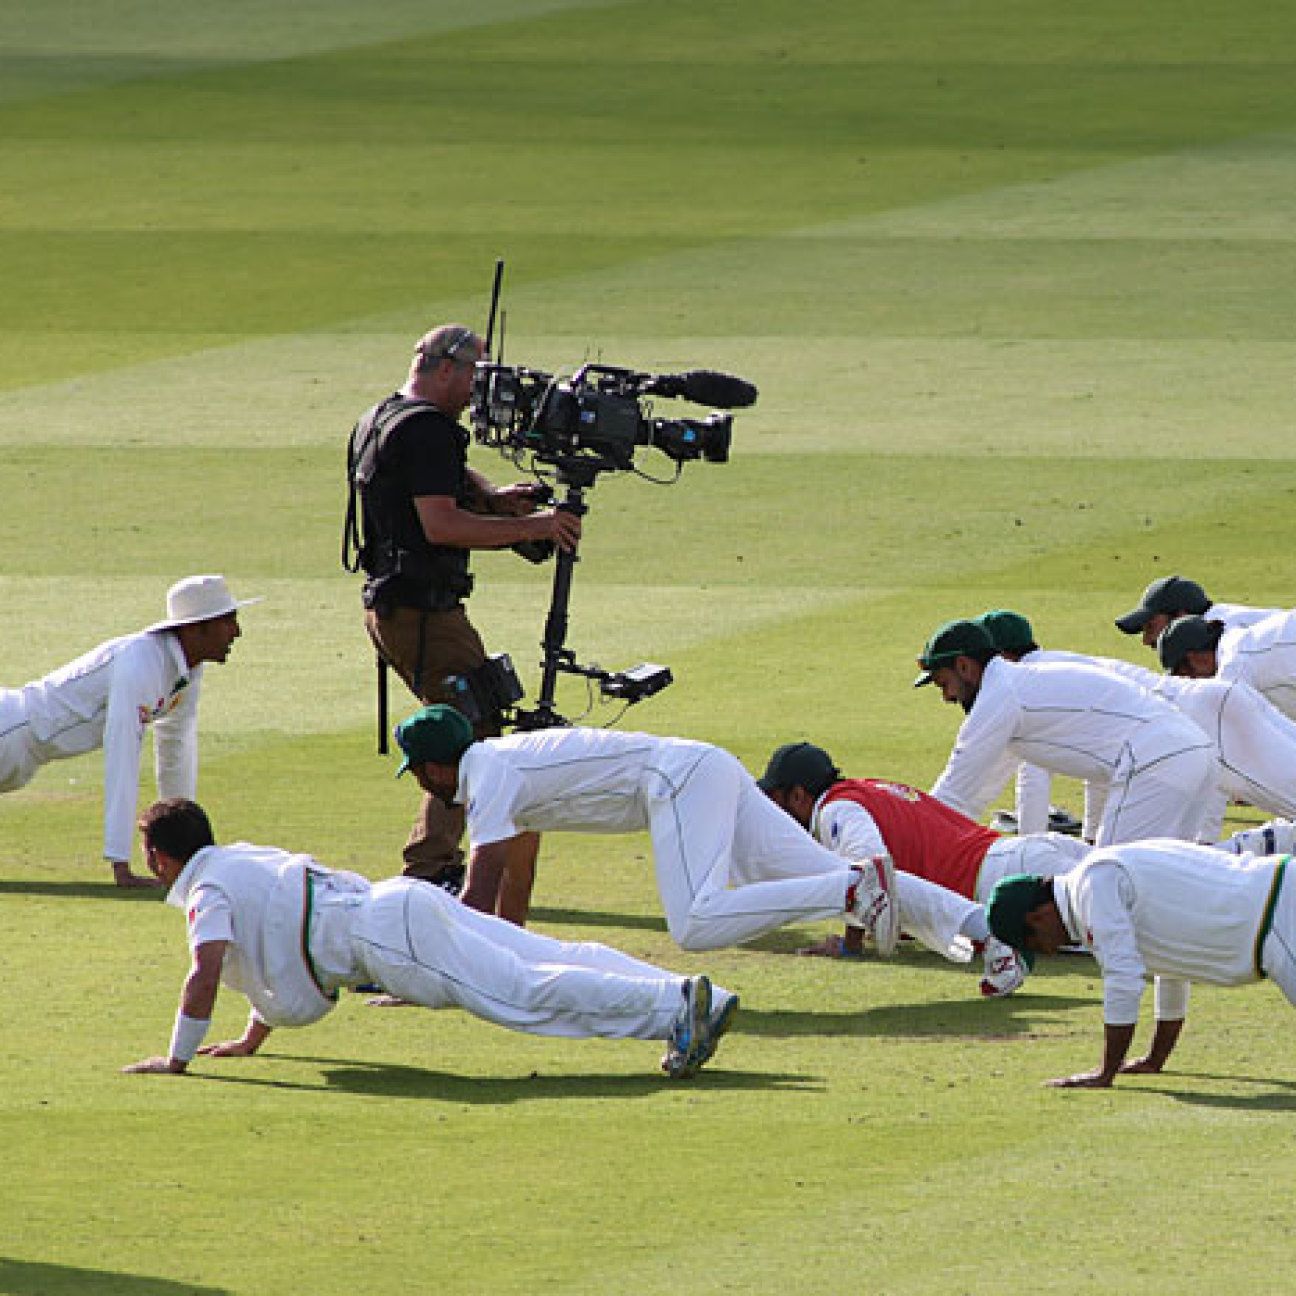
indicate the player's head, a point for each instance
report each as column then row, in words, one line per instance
column 1023, row 912
column 173, row 832
column 1163, row 601
column 1188, row 647
column 1010, row 632
column 955, row 659
column 796, row 776
column 432, row 741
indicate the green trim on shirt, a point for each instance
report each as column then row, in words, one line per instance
column 1270, row 905
column 305, row 941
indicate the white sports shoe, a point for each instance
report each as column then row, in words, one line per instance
column 1004, row 970
column 690, row 1031
column 1277, row 837
column 871, row 903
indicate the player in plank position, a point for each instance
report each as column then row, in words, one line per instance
column 730, row 866
column 1169, row 909
column 289, row 934
column 923, row 836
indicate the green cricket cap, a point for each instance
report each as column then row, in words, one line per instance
column 1008, row 631
column 437, row 733
column 1011, row 900
column 951, row 641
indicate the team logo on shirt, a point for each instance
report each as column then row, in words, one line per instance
column 163, row 706
column 901, row 790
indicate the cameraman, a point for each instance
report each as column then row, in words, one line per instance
column 423, row 509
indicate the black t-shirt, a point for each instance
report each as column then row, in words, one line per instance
column 427, row 454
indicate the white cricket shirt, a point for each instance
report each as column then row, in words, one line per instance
column 1168, row 909
column 1071, row 718
column 107, row 698
column 574, row 780
column 1263, row 654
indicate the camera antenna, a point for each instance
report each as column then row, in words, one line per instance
column 494, row 307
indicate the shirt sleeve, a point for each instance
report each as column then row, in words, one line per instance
column 981, row 762
column 490, row 788
column 129, row 701
column 848, row 830
column 208, row 916
column 175, row 743
column 1105, row 897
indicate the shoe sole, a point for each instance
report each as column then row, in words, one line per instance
column 681, row 1066
column 723, row 1020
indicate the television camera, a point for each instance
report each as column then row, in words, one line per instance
column 567, row 431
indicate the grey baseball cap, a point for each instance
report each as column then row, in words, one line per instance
column 1165, row 597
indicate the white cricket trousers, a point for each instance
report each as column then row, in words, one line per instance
column 1160, row 794
column 18, row 759
column 1278, row 953
column 422, row 944
column 731, row 865
column 1043, row 854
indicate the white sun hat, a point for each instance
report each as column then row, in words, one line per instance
column 198, row 598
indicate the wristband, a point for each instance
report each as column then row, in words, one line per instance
column 186, row 1035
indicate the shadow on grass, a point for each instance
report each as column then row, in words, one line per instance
column 596, row 918
column 81, row 890
column 1281, row 1095
column 377, row 1080
column 997, row 1019
column 32, row 1278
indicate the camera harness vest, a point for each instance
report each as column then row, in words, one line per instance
column 444, row 572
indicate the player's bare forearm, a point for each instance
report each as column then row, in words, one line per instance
column 1116, row 1042
column 198, row 998
column 1163, row 1044
column 486, row 867
column 513, row 902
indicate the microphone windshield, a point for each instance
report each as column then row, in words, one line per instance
column 705, row 387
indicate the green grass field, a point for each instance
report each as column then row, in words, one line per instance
column 1016, row 283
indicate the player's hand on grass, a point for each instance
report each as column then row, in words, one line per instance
column 835, row 947
column 1095, row 1079
column 154, row 1066
column 124, row 877
column 229, row 1048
